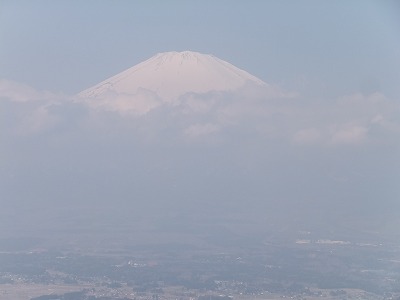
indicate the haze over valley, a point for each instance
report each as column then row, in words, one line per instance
column 223, row 150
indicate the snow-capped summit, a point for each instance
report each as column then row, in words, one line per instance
column 172, row 74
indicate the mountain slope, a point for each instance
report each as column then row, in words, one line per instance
column 172, row 74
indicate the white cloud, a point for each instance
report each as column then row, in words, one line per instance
column 18, row 92
column 307, row 136
column 201, row 129
column 138, row 104
column 266, row 112
column 195, row 103
column 349, row 120
column 28, row 111
column 348, row 134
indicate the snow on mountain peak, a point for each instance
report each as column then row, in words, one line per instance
column 172, row 74
column 167, row 76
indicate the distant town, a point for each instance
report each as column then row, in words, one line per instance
column 303, row 269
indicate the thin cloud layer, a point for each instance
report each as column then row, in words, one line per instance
column 17, row 92
column 27, row 111
column 251, row 152
column 271, row 113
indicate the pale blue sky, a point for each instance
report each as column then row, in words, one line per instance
column 318, row 47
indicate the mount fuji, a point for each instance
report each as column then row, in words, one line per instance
column 164, row 78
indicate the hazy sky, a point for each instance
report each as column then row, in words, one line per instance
column 330, row 47
column 324, row 150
